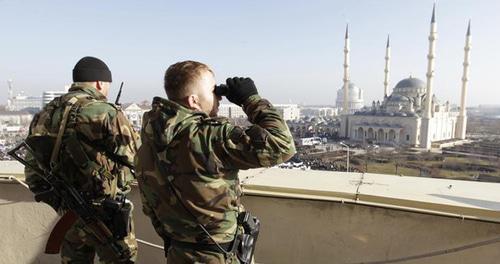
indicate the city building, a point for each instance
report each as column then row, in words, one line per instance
column 321, row 111
column 231, row 111
column 287, row 111
column 134, row 113
column 21, row 101
column 15, row 117
column 314, row 126
column 411, row 115
column 48, row 96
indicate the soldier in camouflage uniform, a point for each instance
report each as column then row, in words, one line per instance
column 184, row 142
column 108, row 141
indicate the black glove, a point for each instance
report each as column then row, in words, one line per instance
column 239, row 89
column 43, row 193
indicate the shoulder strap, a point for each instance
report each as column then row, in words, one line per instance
column 69, row 104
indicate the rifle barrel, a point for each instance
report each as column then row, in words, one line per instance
column 117, row 101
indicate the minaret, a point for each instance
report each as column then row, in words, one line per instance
column 426, row 130
column 462, row 116
column 346, row 71
column 386, row 70
column 10, row 91
column 344, row 125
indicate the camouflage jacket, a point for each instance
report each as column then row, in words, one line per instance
column 105, row 135
column 201, row 157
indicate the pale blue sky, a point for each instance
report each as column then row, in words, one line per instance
column 292, row 49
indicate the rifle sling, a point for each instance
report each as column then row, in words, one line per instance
column 62, row 128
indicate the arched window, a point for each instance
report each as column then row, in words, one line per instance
column 392, row 135
column 360, row 133
column 380, row 135
column 371, row 135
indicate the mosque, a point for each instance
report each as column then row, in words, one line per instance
column 409, row 116
column 355, row 101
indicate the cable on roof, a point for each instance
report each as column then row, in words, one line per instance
column 150, row 244
column 14, row 178
column 359, row 185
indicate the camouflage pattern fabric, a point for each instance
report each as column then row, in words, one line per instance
column 107, row 139
column 79, row 247
column 202, row 156
column 183, row 255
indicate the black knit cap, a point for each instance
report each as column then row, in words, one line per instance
column 90, row 69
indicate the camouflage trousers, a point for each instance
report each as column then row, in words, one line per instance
column 177, row 255
column 79, row 247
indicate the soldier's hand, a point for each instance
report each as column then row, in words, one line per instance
column 43, row 194
column 240, row 89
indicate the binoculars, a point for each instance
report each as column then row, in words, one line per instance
column 221, row 90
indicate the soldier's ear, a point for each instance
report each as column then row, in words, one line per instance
column 193, row 101
column 102, row 87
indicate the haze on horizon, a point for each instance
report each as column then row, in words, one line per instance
column 292, row 49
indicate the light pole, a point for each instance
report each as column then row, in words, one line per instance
column 342, row 143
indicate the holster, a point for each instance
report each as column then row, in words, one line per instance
column 118, row 211
column 247, row 241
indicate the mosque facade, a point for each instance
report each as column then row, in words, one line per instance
column 407, row 116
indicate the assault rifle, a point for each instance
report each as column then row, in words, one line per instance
column 75, row 205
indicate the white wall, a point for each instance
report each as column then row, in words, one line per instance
column 293, row 231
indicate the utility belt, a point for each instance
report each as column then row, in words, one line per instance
column 243, row 245
column 202, row 247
